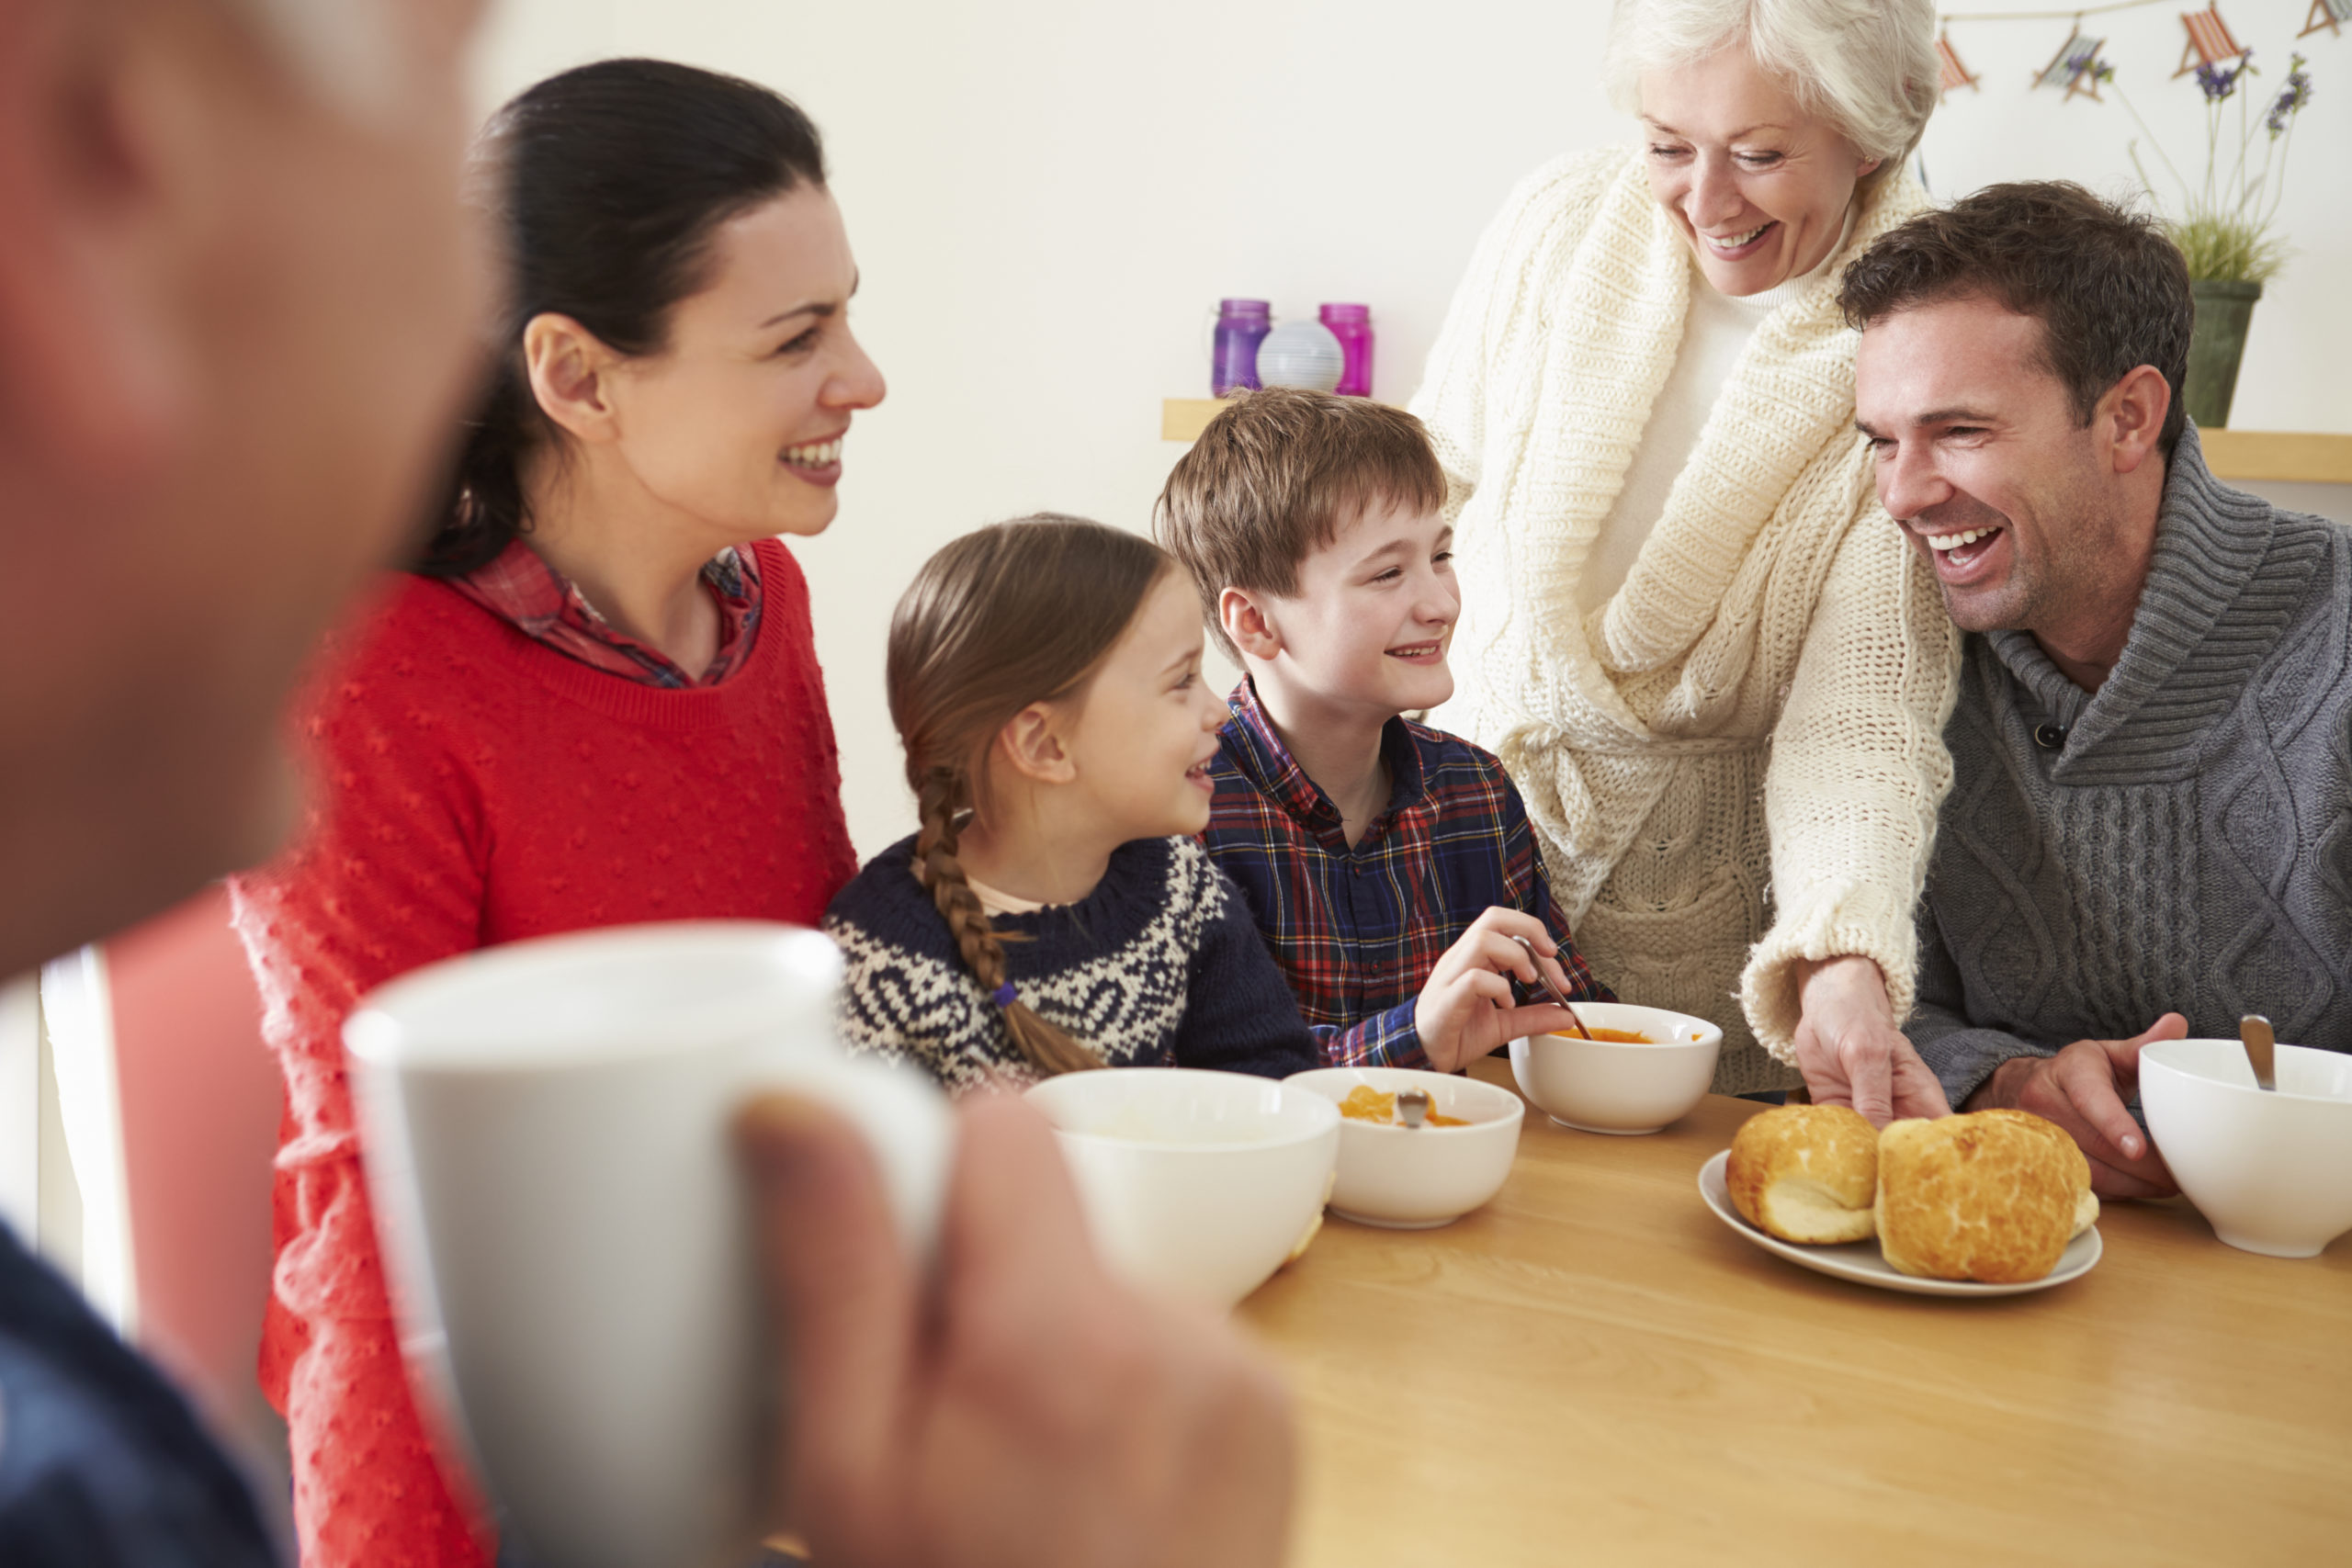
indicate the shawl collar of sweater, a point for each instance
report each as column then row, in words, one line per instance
column 1790, row 394
column 2222, row 586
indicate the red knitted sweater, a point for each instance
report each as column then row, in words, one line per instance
column 472, row 786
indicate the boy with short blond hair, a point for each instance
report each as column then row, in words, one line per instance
column 1390, row 866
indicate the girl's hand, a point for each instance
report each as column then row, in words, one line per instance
column 1850, row 1051
column 1467, row 1009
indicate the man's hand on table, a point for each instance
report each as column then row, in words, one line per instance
column 1850, row 1051
column 2082, row 1090
column 1032, row 1411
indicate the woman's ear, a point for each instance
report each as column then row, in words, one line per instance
column 1031, row 744
column 1247, row 625
column 567, row 365
column 1867, row 167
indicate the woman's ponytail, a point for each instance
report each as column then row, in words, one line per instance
column 485, row 510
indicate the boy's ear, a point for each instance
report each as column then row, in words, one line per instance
column 1031, row 744
column 1247, row 625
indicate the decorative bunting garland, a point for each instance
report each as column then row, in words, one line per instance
column 2077, row 67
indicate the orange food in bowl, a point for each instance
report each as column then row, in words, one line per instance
column 1365, row 1103
column 1621, row 1036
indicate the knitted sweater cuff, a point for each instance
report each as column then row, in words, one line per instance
column 1830, row 920
column 1963, row 1059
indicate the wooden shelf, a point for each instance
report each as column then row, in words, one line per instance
column 1183, row 419
column 2293, row 457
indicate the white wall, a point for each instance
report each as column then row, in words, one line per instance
column 1048, row 196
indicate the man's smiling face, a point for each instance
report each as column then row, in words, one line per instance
column 1981, row 457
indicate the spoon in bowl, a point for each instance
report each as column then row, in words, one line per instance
column 1412, row 1106
column 1552, row 992
column 2261, row 1049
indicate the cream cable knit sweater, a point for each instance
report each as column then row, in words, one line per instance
column 1754, row 722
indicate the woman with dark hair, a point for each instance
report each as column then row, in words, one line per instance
column 594, row 701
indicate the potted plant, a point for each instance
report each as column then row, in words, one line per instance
column 2223, row 221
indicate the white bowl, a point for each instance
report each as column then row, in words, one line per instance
column 2272, row 1171
column 1194, row 1183
column 1417, row 1178
column 1605, row 1086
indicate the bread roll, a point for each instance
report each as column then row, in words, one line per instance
column 1993, row 1196
column 1806, row 1173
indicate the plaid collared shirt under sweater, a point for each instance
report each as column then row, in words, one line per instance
column 1356, row 929
column 524, row 591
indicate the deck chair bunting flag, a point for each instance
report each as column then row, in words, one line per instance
column 2076, row 67
column 1954, row 76
column 2328, row 14
column 2209, row 42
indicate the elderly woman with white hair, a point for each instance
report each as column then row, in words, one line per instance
column 1713, row 668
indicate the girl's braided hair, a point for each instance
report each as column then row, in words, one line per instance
column 1016, row 614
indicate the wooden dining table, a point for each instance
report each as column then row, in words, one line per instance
column 1594, row 1368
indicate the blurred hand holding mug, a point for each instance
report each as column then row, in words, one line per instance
column 567, row 1230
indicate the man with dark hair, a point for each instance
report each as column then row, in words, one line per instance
column 2150, row 826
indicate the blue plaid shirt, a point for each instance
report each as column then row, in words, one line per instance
column 1356, row 931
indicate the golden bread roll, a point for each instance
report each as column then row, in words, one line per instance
column 1806, row 1173
column 1993, row 1196
column 2086, row 1200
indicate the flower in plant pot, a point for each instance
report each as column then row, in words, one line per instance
column 2223, row 221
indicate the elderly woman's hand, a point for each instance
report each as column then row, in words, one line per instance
column 1850, row 1051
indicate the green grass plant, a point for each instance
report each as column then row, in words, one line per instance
column 2226, row 246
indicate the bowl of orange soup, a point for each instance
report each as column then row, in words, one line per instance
column 1415, row 1178
column 1644, row 1068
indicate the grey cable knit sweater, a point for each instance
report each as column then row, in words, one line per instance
column 2181, row 840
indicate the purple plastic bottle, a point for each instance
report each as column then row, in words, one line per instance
column 1352, row 324
column 1240, row 324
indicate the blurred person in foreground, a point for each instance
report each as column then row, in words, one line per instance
column 235, row 309
column 2150, row 828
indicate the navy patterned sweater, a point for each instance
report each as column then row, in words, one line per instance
column 1159, row 966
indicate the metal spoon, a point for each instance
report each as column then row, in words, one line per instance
column 1412, row 1106
column 1551, row 991
column 2261, row 1048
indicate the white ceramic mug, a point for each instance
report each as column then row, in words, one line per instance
column 565, row 1225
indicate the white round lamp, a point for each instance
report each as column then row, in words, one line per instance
column 1301, row 354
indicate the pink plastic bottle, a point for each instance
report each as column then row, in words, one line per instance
column 1352, row 324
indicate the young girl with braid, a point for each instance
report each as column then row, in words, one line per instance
column 1056, row 911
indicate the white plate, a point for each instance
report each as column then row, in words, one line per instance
column 1862, row 1261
